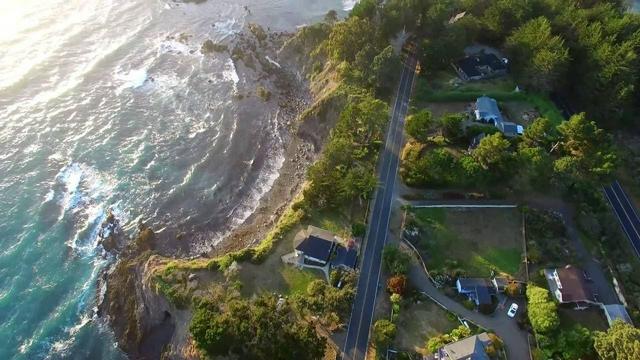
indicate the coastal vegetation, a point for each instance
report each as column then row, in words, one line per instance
column 585, row 50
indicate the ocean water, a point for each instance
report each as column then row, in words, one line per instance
column 103, row 107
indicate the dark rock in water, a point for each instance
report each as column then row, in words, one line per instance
column 111, row 235
column 208, row 47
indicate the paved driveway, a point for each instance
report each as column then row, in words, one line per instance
column 505, row 327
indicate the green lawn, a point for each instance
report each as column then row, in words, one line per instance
column 298, row 279
column 474, row 241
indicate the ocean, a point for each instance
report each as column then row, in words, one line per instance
column 110, row 106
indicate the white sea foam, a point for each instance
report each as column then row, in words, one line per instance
column 227, row 27
column 173, row 47
column 266, row 179
column 131, row 79
column 347, row 5
column 273, row 62
column 230, row 74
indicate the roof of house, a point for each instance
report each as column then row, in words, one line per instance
column 481, row 287
column 615, row 312
column 470, row 64
column 471, row 348
column 501, row 281
column 345, row 256
column 574, row 287
column 509, row 128
column 316, row 243
column 487, row 107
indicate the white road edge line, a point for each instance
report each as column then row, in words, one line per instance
column 344, row 352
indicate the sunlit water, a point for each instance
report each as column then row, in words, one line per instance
column 101, row 108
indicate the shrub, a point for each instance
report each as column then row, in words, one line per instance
column 384, row 331
column 397, row 284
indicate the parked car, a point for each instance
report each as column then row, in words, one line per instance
column 512, row 310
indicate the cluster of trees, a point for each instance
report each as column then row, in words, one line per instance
column 268, row 327
column 346, row 170
column 260, row 328
column 490, row 161
column 587, row 50
column 576, row 155
column 620, row 342
column 554, row 343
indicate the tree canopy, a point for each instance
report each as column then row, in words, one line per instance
column 543, row 312
column 539, row 57
column 620, row 342
column 418, row 125
column 247, row 327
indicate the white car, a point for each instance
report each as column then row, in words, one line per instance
column 512, row 310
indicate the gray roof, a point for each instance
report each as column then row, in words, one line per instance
column 509, row 128
column 471, row 348
column 615, row 312
column 487, row 108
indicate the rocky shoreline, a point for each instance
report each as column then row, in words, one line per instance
column 143, row 321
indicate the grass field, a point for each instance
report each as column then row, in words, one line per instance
column 417, row 322
column 474, row 241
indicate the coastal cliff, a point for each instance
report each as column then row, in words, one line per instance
column 148, row 295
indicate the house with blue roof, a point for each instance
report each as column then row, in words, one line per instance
column 487, row 111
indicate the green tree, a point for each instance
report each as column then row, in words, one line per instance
column 538, row 57
column 394, row 260
column 365, row 9
column 245, row 328
column 331, row 16
column 575, row 343
column 536, row 165
column 435, row 343
column 419, row 124
column 543, row 312
column 540, row 133
column 348, row 37
column 384, row 331
column 493, row 152
column 586, row 150
column 385, row 71
column 452, row 126
column 459, row 333
column 620, row 342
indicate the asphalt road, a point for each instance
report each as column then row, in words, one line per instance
column 368, row 283
column 625, row 212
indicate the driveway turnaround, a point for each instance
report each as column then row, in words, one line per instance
column 514, row 338
column 355, row 347
column 625, row 212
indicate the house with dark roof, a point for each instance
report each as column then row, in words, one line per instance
column 471, row 348
column 569, row 286
column 478, row 290
column 319, row 247
column 487, row 111
column 482, row 65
